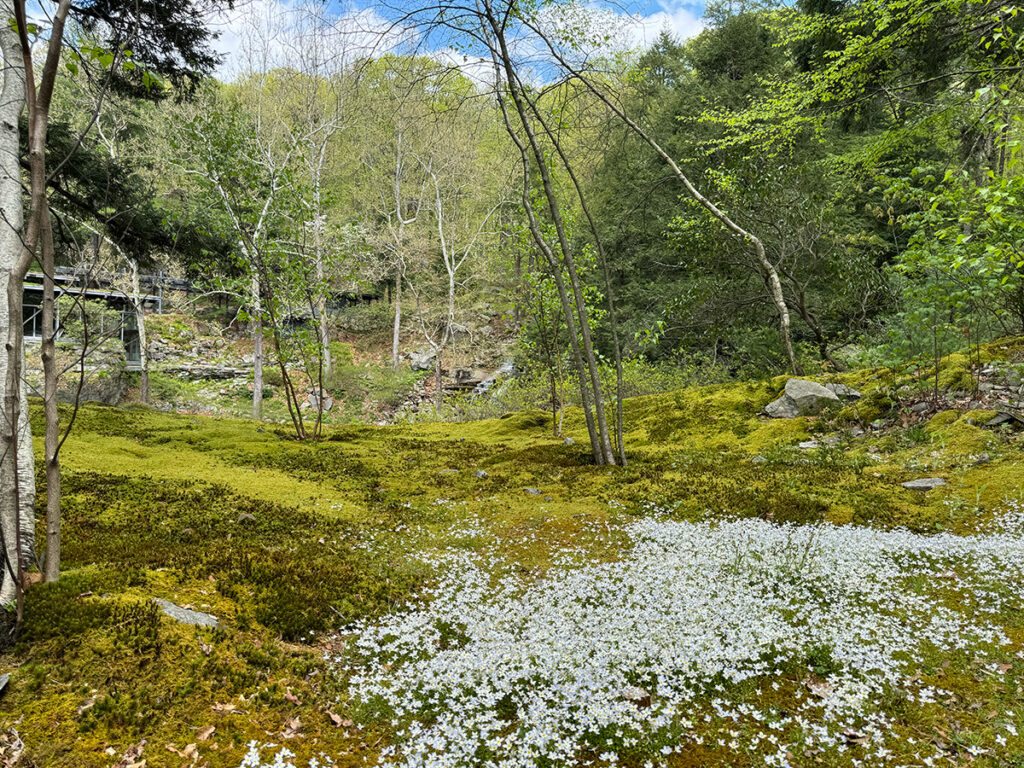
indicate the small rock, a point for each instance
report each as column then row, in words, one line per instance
column 808, row 445
column 924, row 483
column 481, row 474
column 532, row 491
column 637, row 695
column 186, row 615
column 423, row 360
column 920, row 407
column 982, row 458
column 568, row 441
column 759, row 459
column 878, row 424
column 856, row 432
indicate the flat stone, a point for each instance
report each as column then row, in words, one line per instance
column 568, row 441
column 1003, row 417
column 924, row 483
column 808, row 445
column 532, row 491
column 186, row 615
column 759, row 459
column 920, row 407
column 482, row 474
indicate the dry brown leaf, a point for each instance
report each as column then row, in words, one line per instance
column 289, row 696
column 819, row 688
column 292, row 727
column 338, row 720
column 205, row 733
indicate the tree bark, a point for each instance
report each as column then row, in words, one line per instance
column 17, row 473
column 140, row 326
column 396, row 333
column 256, row 326
column 51, row 439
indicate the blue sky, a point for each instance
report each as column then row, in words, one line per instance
column 639, row 21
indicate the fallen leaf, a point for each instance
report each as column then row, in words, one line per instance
column 289, row 696
column 205, row 733
column 338, row 720
column 819, row 688
column 292, row 727
column 224, row 707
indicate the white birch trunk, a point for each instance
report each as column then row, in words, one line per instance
column 256, row 323
column 17, row 475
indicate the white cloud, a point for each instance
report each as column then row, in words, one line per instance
column 262, row 34
column 680, row 22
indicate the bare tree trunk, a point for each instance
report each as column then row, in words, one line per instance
column 51, row 442
column 321, row 308
column 600, row 444
column 396, row 333
column 256, row 325
column 140, row 327
column 620, row 443
column 17, row 473
column 438, row 383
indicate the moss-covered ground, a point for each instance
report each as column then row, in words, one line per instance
column 285, row 541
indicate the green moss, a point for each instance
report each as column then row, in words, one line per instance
column 280, row 539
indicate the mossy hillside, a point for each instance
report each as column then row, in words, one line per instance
column 280, row 538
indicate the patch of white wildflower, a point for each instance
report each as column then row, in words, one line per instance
column 641, row 655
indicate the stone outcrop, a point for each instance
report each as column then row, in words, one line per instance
column 802, row 398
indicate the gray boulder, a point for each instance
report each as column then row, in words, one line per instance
column 423, row 360
column 186, row 615
column 783, row 408
column 801, row 398
column 924, row 483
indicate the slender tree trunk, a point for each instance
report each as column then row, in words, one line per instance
column 17, row 473
column 396, row 332
column 438, row 383
column 51, row 441
column 140, row 327
column 256, row 325
column 600, row 445
column 613, row 320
